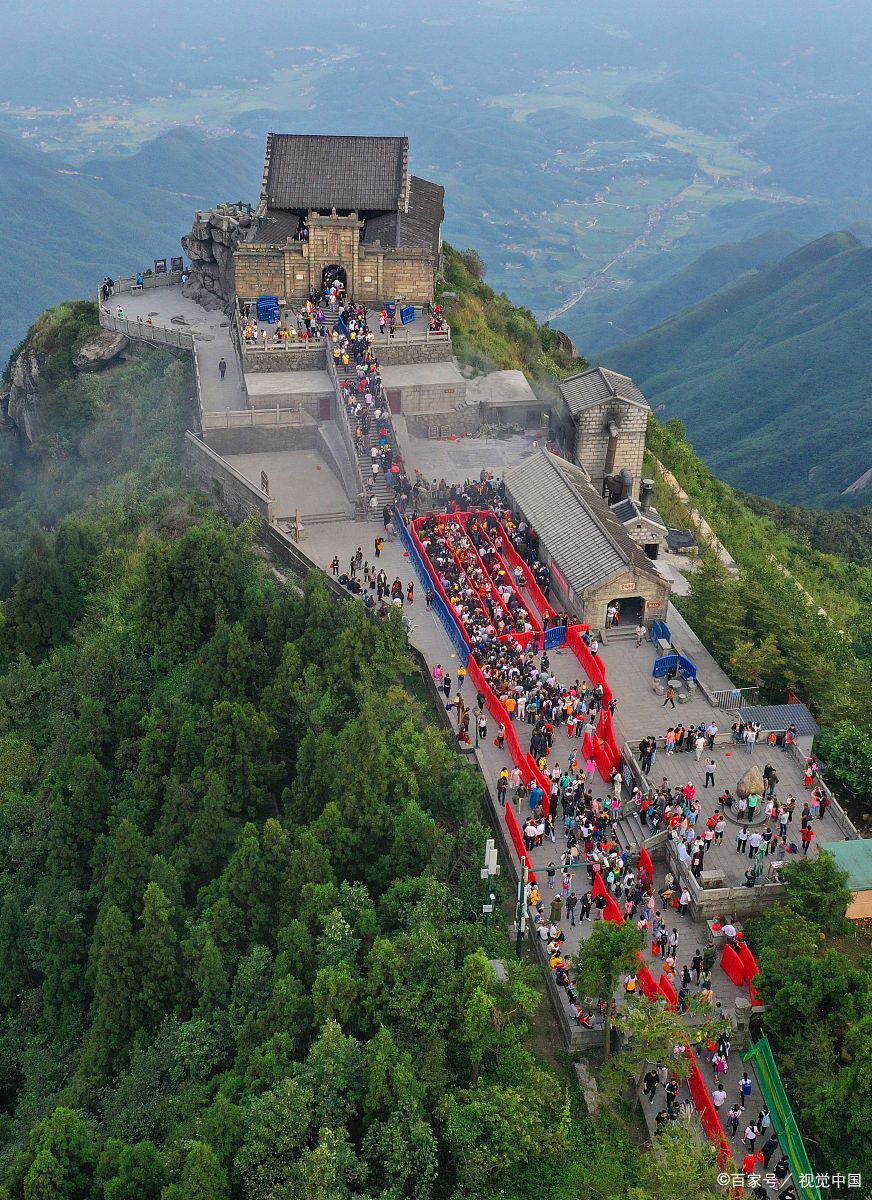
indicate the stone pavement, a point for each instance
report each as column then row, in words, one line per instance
column 211, row 330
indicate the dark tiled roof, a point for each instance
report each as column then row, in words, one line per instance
column 324, row 172
column 630, row 510
column 418, row 229
column 779, row 716
column 575, row 525
column 275, row 227
column 383, row 228
column 596, row 386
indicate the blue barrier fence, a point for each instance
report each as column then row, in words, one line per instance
column 659, row 629
column 554, row 637
column 674, row 662
column 444, row 613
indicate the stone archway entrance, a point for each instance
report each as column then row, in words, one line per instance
column 630, row 610
column 330, row 274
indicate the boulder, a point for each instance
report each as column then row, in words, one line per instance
column 751, row 783
column 100, row 350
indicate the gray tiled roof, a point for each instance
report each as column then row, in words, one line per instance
column 579, row 542
column 596, row 386
column 779, row 716
column 323, row 172
column 275, row 227
column 630, row 510
column 418, row 229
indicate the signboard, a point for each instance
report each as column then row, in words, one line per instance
column 653, row 604
column 177, row 264
column 407, row 314
column 160, row 266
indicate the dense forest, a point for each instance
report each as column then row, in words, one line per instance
column 795, row 616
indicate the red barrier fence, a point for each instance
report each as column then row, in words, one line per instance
column 708, row 1114
column 518, row 840
column 513, row 558
column 733, row 966
column 752, row 970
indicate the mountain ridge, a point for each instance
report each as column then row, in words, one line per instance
column 771, row 369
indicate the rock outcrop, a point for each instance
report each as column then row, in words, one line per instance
column 100, row 350
column 19, row 400
column 210, row 246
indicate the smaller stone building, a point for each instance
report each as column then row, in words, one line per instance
column 609, row 416
column 642, row 521
column 593, row 560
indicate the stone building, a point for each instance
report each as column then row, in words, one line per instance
column 593, row 560
column 642, row 521
column 346, row 207
column 609, row 416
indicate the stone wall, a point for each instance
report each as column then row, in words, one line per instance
column 430, row 398
column 633, row 583
column 258, row 439
column 398, row 353
column 408, row 275
column 285, row 360
column 592, row 440
column 236, row 496
column 259, row 271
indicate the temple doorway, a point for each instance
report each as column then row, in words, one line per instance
column 329, row 276
column 628, row 612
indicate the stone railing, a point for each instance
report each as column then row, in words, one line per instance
column 339, row 414
column 841, row 818
column 159, row 335
column 245, row 417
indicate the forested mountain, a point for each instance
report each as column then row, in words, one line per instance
column 241, row 953
column 65, row 226
column 771, row 375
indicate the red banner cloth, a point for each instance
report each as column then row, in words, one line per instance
column 667, row 990
column 612, row 912
column 647, row 980
column 733, row 966
column 752, row 970
column 749, row 962
column 599, row 888
column 646, row 864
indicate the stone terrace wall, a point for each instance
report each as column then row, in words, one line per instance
column 235, row 494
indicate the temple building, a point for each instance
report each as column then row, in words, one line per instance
column 343, row 207
column 609, row 417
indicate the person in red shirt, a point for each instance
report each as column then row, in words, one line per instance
column 806, row 835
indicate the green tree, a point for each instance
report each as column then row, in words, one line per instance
column 158, row 957
column 127, row 874
column 681, row 1164
column 116, row 988
column 651, row 1030
column 64, row 1144
column 817, row 889
column 276, row 1131
column 46, row 1180
column 609, row 953
column 203, row 1177
column 329, row 1172
column 13, row 951
column 44, row 604
column 390, row 1076
column 331, row 1073
column 401, row 1151
column 847, row 749
column 141, row 1174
